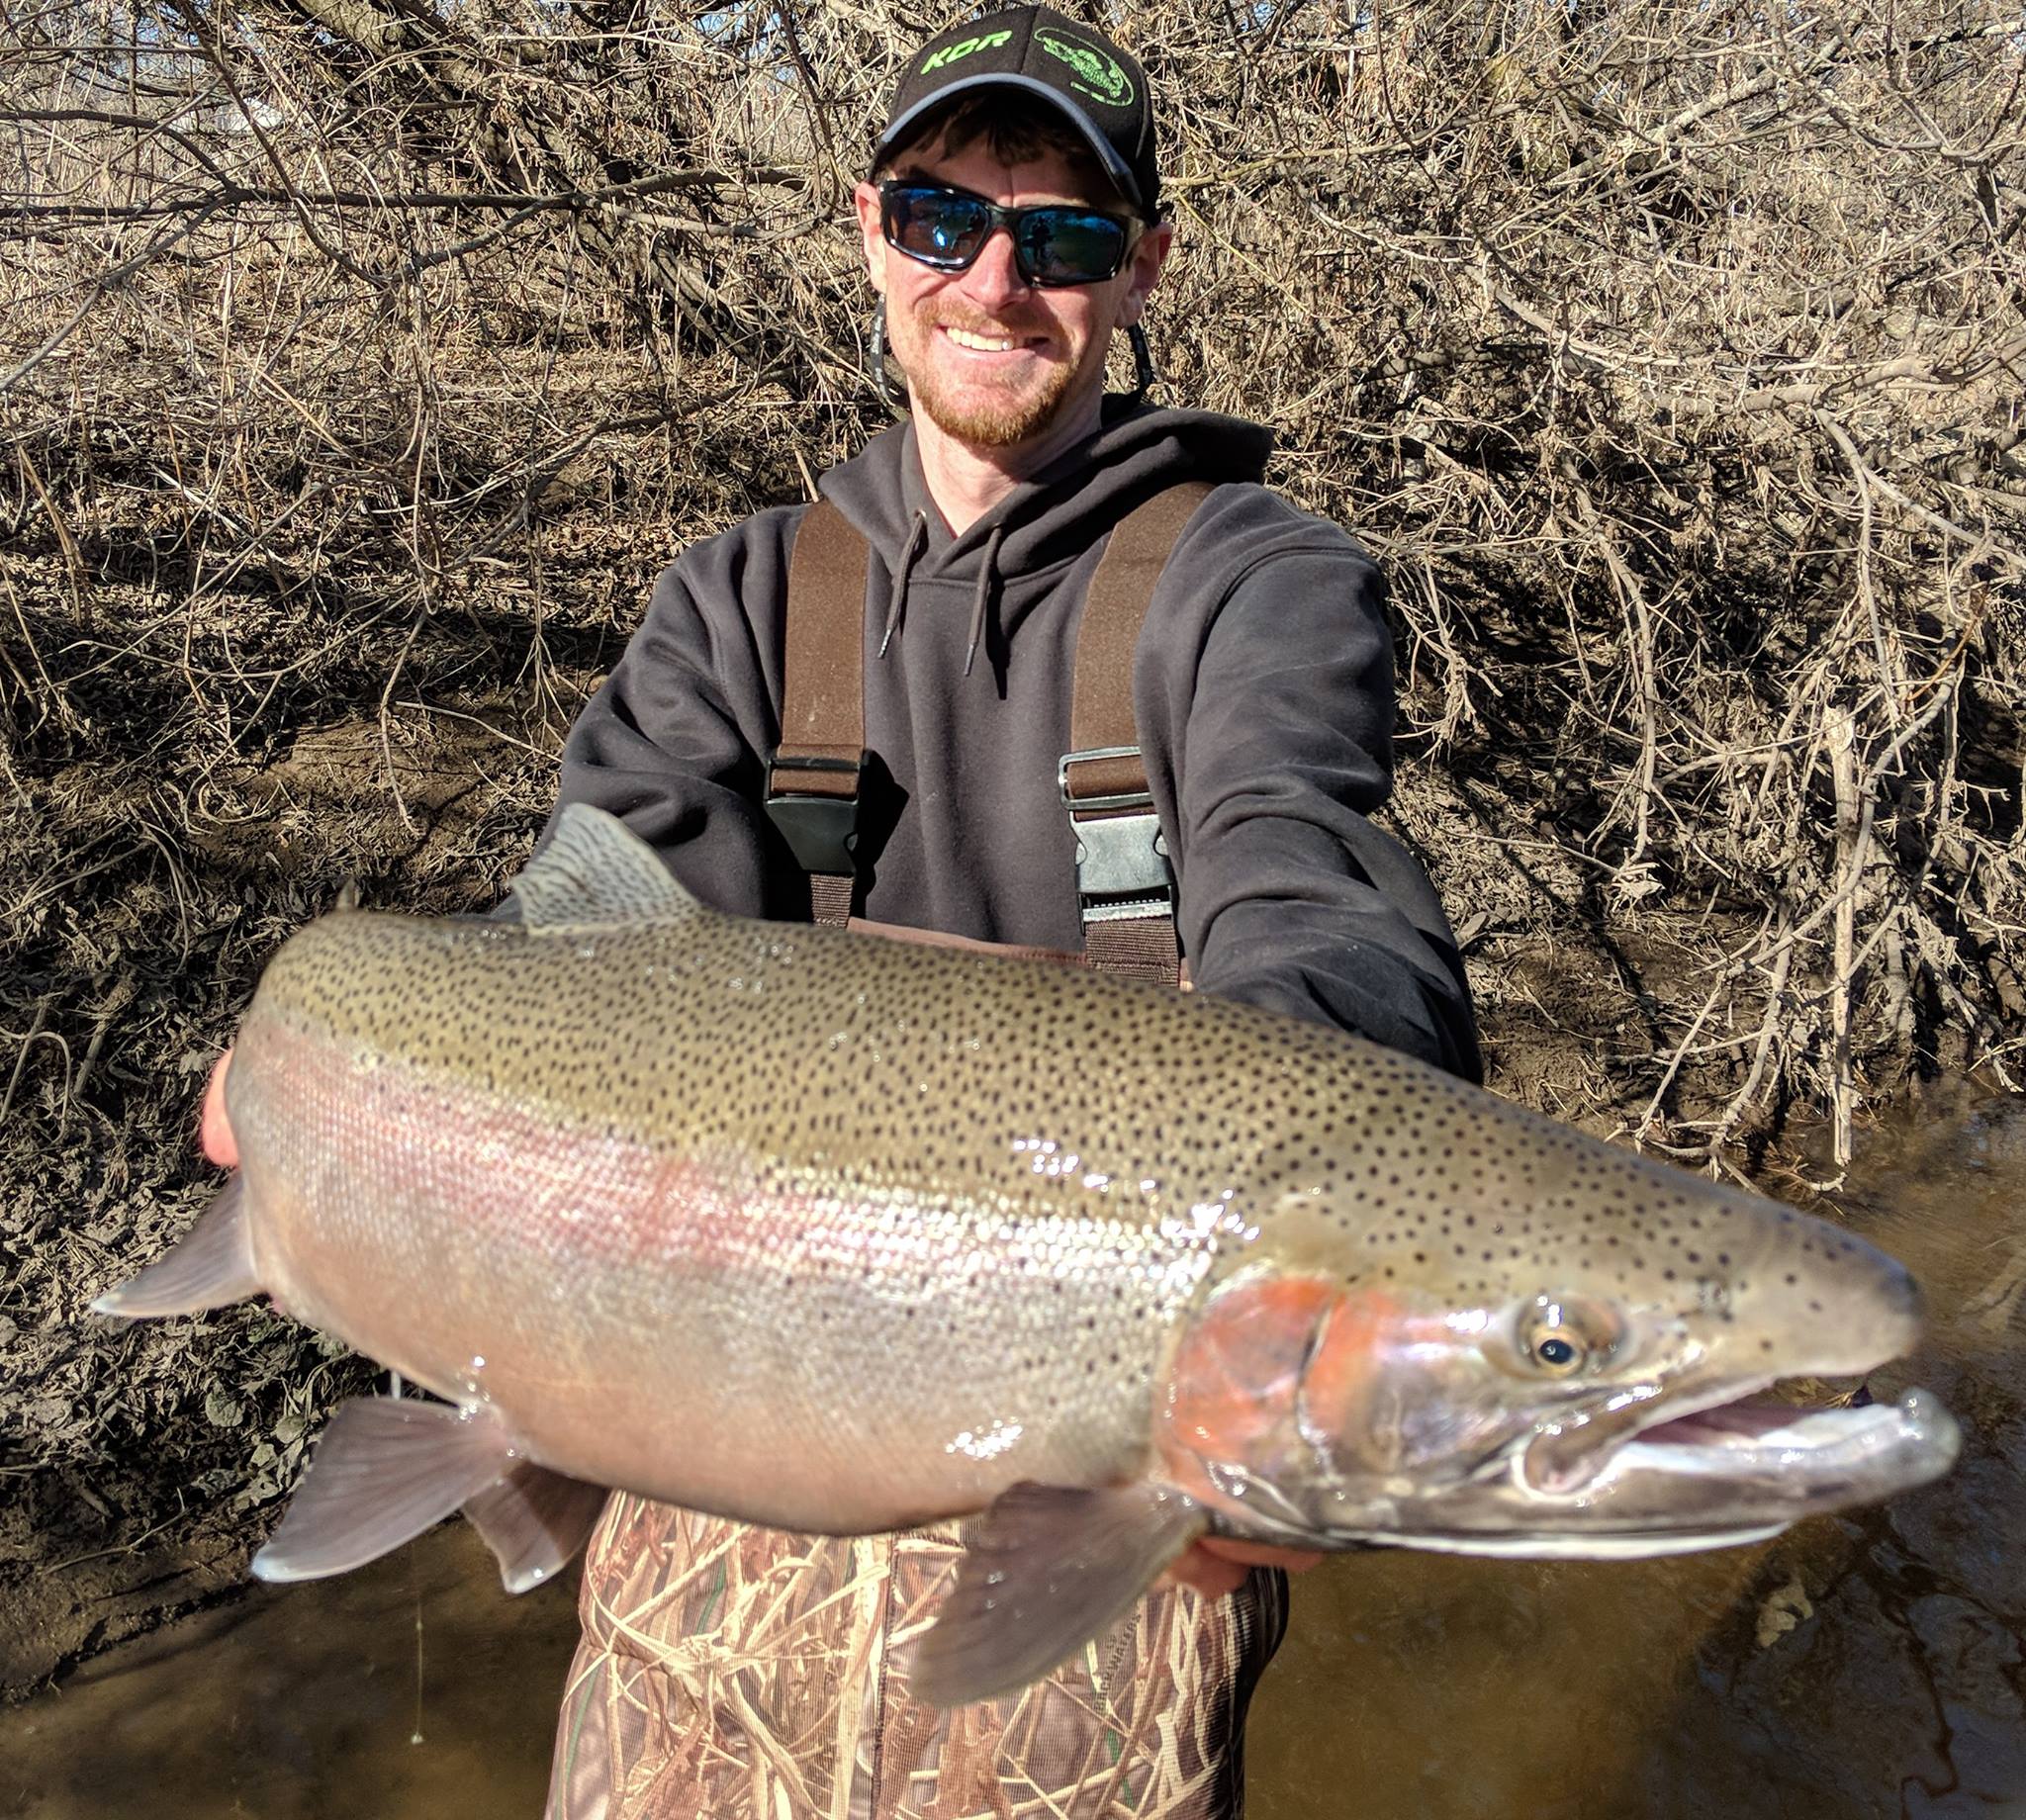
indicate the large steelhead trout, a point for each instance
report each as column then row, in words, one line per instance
column 842, row 1234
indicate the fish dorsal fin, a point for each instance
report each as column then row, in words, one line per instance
column 594, row 873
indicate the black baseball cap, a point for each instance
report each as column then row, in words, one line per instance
column 1097, row 86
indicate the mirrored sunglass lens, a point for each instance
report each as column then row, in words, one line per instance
column 934, row 225
column 1062, row 243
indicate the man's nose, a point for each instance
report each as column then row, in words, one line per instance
column 993, row 278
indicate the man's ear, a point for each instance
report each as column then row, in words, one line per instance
column 1148, row 260
column 866, row 199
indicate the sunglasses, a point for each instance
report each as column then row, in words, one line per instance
column 1055, row 244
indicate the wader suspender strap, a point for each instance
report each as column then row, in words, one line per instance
column 1125, row 889
column 813, row 784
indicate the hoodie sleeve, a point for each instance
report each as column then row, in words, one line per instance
column 675, row 741
column 1282, row 727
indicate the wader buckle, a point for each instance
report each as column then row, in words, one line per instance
column 821, row 825
column 1122, row 866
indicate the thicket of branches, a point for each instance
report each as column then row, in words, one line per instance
column 1669, row 353
column 361, row 359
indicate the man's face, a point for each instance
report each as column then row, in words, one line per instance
column 991, row 360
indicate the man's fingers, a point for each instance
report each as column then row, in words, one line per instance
column 216, row 1130
column 1216, row 1566
column 1262, row 1554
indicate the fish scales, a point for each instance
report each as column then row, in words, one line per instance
column 839, row 1233
column 914, row 1204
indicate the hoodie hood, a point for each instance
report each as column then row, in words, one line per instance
column 1053, row 517
column 1006, row 561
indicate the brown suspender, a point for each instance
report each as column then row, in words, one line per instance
column 812, row 786
column 1125, row 890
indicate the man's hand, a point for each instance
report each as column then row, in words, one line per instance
column 216, row 1130
column 1216, row 1566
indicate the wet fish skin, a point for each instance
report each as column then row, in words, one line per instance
column 842, row 1234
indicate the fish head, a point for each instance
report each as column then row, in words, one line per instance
column 1566, row 1354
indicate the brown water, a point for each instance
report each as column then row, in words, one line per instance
column 1867, row 1666
column 413, row 1690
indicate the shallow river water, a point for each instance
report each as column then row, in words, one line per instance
column 1867, row 1666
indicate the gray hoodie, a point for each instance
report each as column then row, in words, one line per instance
column 1262, row 686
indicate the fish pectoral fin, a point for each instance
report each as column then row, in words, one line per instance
column 533, row 1520
column 1045, row 1568
column 596, row 873
column 211, row 1266
column 385, row 1469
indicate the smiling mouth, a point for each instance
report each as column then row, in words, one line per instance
column 985, row 343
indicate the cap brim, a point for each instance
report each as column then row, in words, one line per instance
column 1115, row 168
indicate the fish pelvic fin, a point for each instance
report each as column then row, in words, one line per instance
column 595, row 872
column 1045, row 1570
column 211, row 1266
column 384, row 1470
column 533, row 1520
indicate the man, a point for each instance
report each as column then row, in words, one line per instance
column 1262, row 690
column 1011, row 229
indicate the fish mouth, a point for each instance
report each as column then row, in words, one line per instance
column 1655, row 1463
column 1567, row 1454
column 1754, row 1438
column 1644, row 1477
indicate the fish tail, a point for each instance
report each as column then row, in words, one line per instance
column 212, row 1266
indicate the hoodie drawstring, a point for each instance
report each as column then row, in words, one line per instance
column 985, row 575
column 917, row 541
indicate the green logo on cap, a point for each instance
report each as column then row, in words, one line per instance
column 963, row 48
column 1097, row 73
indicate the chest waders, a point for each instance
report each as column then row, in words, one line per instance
column 733, row 1673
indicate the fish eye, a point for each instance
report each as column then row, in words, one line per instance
column 1560, row 1337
